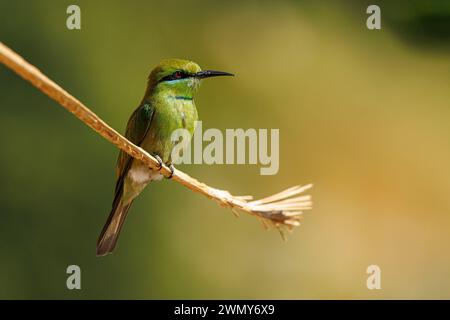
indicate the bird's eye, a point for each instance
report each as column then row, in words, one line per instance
column 174, row 76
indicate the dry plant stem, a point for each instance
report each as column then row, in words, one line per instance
column 282, row 209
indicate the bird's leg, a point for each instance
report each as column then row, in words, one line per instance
column 172, row 169
column 158, row 158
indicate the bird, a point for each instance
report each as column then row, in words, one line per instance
column 167, row 105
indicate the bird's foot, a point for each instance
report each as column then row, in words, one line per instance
column 172, row 170
column 160, row 162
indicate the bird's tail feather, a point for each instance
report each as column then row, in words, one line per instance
column 110, row 233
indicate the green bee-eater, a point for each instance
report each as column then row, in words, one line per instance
column 168, row 104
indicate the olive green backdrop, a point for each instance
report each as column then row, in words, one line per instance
column 362, row 114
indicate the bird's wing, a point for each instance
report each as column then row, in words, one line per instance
column 137, row 128
column 136, row 131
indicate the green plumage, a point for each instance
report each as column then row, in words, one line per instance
column 167, row 105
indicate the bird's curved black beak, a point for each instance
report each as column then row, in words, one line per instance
column 211, row 73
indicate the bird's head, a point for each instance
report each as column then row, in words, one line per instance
column 179, row 77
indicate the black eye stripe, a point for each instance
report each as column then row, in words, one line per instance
column 177, row 75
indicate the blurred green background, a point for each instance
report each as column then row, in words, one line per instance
column 364, row 115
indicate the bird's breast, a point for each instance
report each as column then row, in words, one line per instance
column 180, row 113
column 170, row 115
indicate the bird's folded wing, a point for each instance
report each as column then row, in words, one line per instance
column 137, row 128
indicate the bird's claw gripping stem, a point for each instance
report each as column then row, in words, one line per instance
column 172, row 170
column 160, row 162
